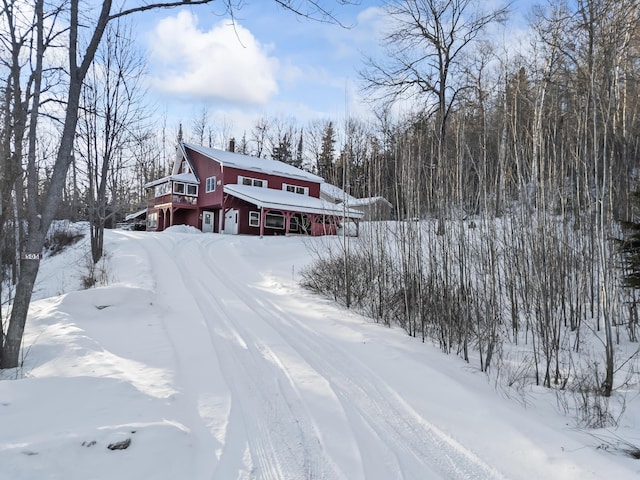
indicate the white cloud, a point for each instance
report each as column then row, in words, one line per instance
column 225, row 63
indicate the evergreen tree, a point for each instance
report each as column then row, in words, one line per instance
column 299, row 151
column 282, row 151
column 327, row 153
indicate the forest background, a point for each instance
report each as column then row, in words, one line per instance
column 511, row 174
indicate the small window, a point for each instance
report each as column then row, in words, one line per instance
column 211, row 184
column 192, row 190
column 184, row 168
column 254, row 219
column 178, row 187
column 254, row 182
column 295, row 189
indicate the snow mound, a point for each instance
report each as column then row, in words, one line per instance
column 182, row 229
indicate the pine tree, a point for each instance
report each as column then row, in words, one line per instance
column 282, row 151
column 327, row 153
column 299, row 151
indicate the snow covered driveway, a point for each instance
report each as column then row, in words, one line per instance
column 237, row 373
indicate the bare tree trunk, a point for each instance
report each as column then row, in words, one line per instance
column 39, row 222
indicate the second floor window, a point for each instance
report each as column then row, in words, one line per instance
column 254, row 182
column 162, row 189
column 185, row 189
column 184, row 168
column 295, row 189
column 211, row 184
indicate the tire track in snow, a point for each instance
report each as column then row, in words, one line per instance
column 417, row 444
column 269, row 432
column 193, row 384
column 281, row 439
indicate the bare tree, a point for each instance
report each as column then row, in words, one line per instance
column 426, row 50
column 80, row 56
column 112, row 120
column 260, row 135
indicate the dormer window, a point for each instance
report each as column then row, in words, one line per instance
column 295, row 189
column 253, row 182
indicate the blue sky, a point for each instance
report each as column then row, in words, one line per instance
column 269, row 64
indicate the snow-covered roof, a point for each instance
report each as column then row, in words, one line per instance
column 255, row 164
column 180, row 177
column 334, row 192
column 133, row 216
column 359, row 202
column 281, row 200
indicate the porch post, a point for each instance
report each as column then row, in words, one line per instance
column 287, row 222
column 314, row 218
column 261, row 222
column 223, row 218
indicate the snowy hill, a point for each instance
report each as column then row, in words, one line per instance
column 205, row 359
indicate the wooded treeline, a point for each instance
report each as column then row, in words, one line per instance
column 509, row 192
column 71, row 108
column 510, row 166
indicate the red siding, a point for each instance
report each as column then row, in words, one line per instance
column 204, row 168
column 273, row 181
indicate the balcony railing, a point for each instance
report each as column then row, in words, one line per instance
column 184, row 199
column 172, row 198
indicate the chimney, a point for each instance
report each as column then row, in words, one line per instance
column 232, row 145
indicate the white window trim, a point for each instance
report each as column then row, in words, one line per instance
column 210, row 184
column 162, row 189
column 276, row 215
column 254, row 219
column 305, row 190
column 185, row 187
column 263, row 183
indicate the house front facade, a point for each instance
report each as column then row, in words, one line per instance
column 225, row 192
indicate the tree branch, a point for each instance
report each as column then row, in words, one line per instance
column 152, row 6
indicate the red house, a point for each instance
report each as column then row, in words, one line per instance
column 222, row 191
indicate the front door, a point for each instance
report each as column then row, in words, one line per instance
column 207, row 222
column 231, row 222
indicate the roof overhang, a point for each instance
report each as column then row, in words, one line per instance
column 293, row 202
column 180, row 177
column 362, row 202
column 133, row 216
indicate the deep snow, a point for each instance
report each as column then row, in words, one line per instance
column 206, row 353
